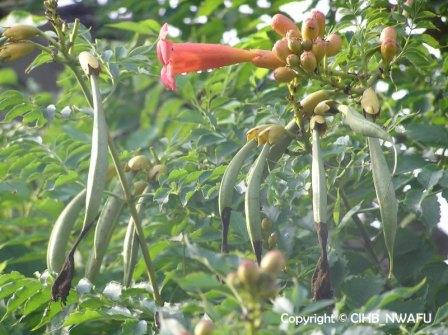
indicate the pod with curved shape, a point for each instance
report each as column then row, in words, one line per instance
column 226, row 189
column 252, row 201
column 57, row 244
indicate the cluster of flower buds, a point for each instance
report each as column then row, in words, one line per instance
column 388, row 40
column 303, row 48
column 258, row 281
column 17, row 44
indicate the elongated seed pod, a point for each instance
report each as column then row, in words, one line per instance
column 385, row 193
column 320, row 213
column 360, row 124
column 227, row 187
column 103, row 231
column 252, row 201
column 57, row 244
column 130, row 244
column 97, row 177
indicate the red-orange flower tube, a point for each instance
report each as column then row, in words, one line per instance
column 178, row 58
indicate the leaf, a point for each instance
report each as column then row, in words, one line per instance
column 41, row 59
column 82, row 316
column 208, row 6
column 198, row 281
column 145, row 27
column 359, row 289
column 434, row 135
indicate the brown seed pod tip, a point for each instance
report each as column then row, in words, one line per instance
column 272, row 262
column 89, row 63
column 138, row 163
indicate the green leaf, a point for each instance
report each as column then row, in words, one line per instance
column 145, row 27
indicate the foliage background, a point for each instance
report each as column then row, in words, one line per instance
column 45, row 134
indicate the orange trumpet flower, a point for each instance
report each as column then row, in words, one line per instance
column 178, row 58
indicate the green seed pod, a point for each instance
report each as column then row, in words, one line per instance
column 103, row 231
column 57, row 244
column 97, row 176
column 273, row 262
column 248, row 273
column 130, row 243
column 280, row 146
column 387, row 201
column 310, row 102
column 252, row 201
column 320, row 213
column 226, row 189
column 204, row 327
column 284, row 74
column 20, row 32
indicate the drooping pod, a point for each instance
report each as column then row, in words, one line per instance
column 279, row 147
column 97, row 176
column 317, row 124
column 60, row 234
column 103, row 231
column 130, row 243
column 360, row 124
column 385, row 193
column 227, row 187
column 320, row 283
column 252, row 201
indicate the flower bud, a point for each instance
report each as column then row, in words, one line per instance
column 293, row 34
column 20, row 32
column 293, row 60
column 272, row 240
column 266, row 224
column 308, row 61
column 157, row 171
column 320, row 19
column 307, row 45
column 369, row 102
column 284, row 74
column 138, row 163
column 310, row 29
column 204, row 327
column 272, row 262
column 281, row 24
column 318, row 49
column 333, row 44
column 248, row 273
column 388, row 50
column 267, row 287
column 14, row 51
column 281, row 49
column 388, row 33
column 294, row 45
column 89, row 63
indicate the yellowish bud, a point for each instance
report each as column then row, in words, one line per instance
column 138, row 163
column 20, row 32
column 14, row 51
column 308, row 61
column 369, row 102
column 204, row 327
column 272, row 262
column 284, row 74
